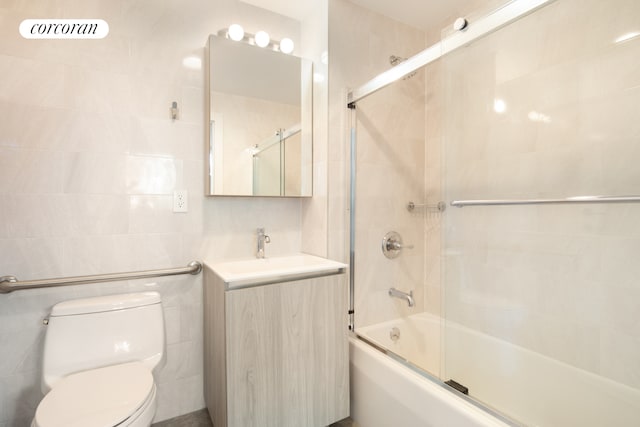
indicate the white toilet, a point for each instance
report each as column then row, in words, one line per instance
column 99, row 356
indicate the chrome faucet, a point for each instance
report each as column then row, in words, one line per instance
column 262, row 239
column 393, row 292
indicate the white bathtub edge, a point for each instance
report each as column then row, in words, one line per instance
column 387, row 394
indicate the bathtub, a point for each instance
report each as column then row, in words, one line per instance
column 387, row 393
column 545, row 392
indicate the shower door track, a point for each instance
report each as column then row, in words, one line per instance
column 500, row 17
column 506, row 14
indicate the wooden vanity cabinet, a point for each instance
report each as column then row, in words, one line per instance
column 276, row 355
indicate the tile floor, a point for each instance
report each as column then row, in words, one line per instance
column 201, row 419
column 194, row 419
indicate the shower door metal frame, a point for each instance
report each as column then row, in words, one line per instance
column 510, row 12
column 352, row 209
column 500, row 17
column 504, row 15
column 280, row 137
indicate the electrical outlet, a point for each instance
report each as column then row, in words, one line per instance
column 180, row 198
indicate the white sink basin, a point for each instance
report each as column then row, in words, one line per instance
column 251, row 272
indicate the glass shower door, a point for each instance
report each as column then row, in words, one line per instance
column 541, row 300
column 267, row 169
column 390, row 288
column 277, row 164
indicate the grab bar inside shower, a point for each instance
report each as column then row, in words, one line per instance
column 568, row 200
column 11, row 283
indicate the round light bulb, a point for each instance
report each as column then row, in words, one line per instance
column 262, row 39
column 236, row 32
column 286, row 45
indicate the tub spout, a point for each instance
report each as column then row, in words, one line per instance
column 393, row 292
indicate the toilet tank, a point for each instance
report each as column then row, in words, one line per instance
column 90, row 333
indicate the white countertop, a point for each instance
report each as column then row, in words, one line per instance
column 254, row 271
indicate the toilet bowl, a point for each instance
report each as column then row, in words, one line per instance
column 115, row 343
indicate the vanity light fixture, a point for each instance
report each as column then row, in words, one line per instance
column 262, row 39
column 286, row 45
column 235, row 32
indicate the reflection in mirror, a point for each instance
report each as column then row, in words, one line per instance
column 260, row 118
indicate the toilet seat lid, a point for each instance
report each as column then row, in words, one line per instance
column 98, row 398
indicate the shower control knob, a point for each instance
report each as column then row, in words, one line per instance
column 392, row 245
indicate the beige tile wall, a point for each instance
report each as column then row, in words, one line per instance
column 390, row 158
column 560, row 280
column 556, row 279
column 247, row 122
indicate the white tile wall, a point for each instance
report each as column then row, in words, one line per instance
column 89, row 159
column 315, row 42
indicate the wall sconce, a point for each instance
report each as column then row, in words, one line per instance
column 261, row 39
column 286, row 45
column 235, row 32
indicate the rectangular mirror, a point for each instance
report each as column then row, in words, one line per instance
column 260, row 121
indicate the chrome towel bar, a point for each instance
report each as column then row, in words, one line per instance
column 578, row 199
column 11, row 283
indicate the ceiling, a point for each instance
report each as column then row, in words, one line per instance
column 296, row 9
column 423, row 14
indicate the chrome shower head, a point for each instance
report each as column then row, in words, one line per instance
column 395, row 60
